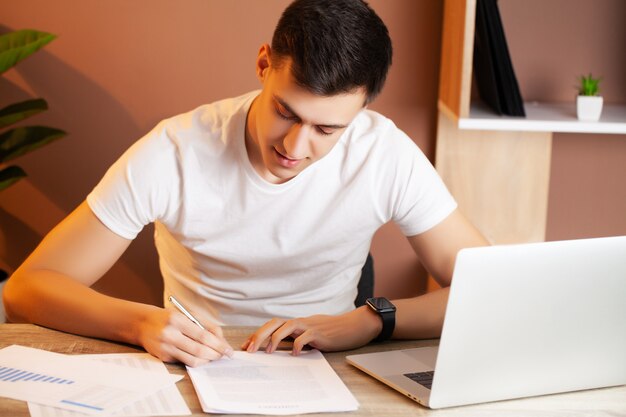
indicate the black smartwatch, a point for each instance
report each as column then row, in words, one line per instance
column 387, row 312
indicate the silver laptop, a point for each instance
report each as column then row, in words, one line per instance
column 522, row 320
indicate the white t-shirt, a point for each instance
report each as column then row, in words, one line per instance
column 244, row 250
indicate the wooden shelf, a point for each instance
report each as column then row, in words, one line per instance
column 546, row 117
column 498, row 167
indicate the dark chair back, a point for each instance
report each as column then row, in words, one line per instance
column 365, row 288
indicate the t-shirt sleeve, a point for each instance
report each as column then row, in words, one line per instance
column 140, row 187
column 420, row 199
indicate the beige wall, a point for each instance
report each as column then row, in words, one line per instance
column 118, row 67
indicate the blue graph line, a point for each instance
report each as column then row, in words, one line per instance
column 82, row 405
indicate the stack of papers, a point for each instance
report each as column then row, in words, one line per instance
column 139, row 385
column 277, row 383
column 87, row 384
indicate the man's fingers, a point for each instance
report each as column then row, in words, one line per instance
column 258, row 338
column 195, row 348
column 177, row 355
column 214, row 337
column 245, row 344
column 301, row 341
column 199, row 342
column 289, row 328
column 275, row 332
column 215, row 329
column 213, row 341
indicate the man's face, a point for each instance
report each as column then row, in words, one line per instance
column 290, row 128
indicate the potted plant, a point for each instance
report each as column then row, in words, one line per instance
column 588, row 102
column 14, row 142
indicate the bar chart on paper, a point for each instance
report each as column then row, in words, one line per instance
column 72, row 383
column 15, row 375
column 60, row 391
column 166, row 402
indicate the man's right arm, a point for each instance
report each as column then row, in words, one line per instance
column 52, row 288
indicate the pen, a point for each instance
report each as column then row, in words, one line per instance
column 183, row 310
column 228, row 353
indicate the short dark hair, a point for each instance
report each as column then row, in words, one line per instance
column 336, row 46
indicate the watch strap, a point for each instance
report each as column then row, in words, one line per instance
column 387, row 313
column 389, row 324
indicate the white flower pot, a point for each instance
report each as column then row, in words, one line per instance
column 589, row 108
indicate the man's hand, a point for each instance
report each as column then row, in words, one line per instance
column 171, row 337
column 326, row 333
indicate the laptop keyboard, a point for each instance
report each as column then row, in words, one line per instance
column 422, row 378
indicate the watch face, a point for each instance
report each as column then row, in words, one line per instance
column 381, row 304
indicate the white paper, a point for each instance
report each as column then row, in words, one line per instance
column 277, row 383
column 166, row 402
column 83, row 385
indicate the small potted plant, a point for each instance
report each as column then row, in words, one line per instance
column 588, row 102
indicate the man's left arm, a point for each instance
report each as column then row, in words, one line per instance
column 437, row 249
column 416, row 318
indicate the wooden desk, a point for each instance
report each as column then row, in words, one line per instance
column 375, row 398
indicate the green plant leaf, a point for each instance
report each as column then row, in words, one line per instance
column 10, row 175
column 589, row 86
column 19, row 111
column 15, row 46
column 21, row 140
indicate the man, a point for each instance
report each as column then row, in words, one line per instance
column 264, row 208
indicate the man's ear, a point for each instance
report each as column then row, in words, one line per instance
column 263, row 62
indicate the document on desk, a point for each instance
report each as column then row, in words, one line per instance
column 83, row 385
column 277, row 384
column 166, row 402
